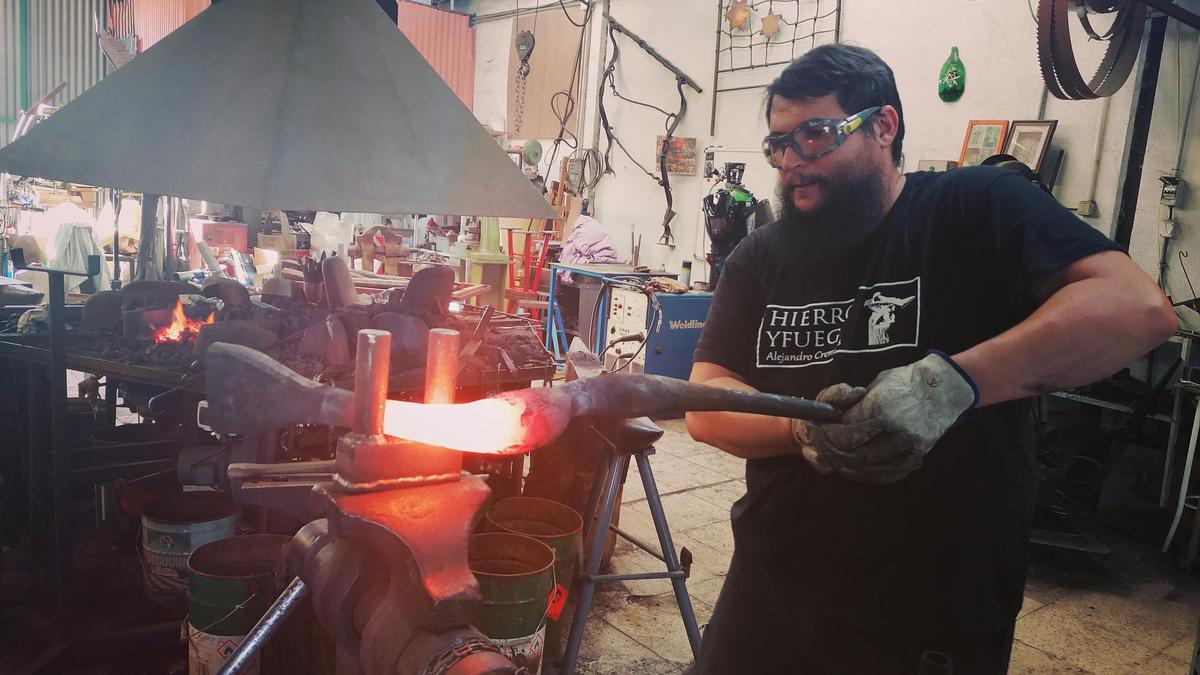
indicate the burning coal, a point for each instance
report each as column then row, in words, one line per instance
column 181, row 326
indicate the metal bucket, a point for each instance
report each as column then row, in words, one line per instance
column 516, row 575
column 173, row 527
column 555, row 525
column 231, row 584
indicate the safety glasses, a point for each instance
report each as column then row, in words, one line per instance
column 815, row 138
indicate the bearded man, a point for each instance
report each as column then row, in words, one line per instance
column 930, row 308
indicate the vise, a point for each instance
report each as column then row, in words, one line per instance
column 385, row 553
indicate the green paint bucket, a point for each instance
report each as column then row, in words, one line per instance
column 555, row 525
column 231, row 584
column 516, row 575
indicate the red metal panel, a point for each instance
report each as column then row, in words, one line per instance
column 155, row 19
column 447, row 41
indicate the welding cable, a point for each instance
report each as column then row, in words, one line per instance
column 672, row 122
column 569, row 106
column 632, row 337
column 642, row 347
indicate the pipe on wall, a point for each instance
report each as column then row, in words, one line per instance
column 1139, row 133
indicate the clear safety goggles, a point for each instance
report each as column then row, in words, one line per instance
column 815, row 138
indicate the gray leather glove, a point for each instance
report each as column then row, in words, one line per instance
column 916, row 404
column 827, row 446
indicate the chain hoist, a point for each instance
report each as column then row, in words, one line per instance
column 525, row 43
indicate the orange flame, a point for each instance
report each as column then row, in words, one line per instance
column 487, row 426
column 180, row 325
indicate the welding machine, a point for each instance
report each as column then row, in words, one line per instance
column 670, row 339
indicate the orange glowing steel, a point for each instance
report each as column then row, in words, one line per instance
column 180, row 325
column 488, row 426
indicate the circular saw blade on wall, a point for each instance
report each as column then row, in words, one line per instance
column 1056, row 53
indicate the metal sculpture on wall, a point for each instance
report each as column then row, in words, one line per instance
column 772, row 32
column 760, row 34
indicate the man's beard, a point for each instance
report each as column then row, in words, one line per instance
column 850, row 206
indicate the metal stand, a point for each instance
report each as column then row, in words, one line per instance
column 601, row 503
column 63, row 536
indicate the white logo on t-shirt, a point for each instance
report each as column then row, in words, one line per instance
column 796, row 336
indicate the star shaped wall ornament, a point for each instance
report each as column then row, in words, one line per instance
column 738, row 15
column 770, row 24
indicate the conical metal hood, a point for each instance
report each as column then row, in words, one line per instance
column 297, row 104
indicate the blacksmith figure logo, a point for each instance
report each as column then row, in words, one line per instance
column 883, row 316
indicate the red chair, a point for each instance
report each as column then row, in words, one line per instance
column 523, row 291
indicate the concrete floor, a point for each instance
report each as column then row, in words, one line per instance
column 1129, row 612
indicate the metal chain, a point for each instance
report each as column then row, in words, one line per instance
column 519, row 104
column 457, row 651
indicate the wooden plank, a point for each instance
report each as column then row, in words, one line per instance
column 556, row 41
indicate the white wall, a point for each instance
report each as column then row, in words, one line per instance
column 1174, row 84
column 996, row 42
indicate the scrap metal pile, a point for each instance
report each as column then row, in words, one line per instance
column 170, row 326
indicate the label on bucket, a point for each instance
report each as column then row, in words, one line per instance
column 525, row 652
column 556, row 602
column 207, row 653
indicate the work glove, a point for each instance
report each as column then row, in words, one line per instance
column 827, row 447
column 915, row 404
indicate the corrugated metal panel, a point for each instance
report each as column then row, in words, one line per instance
column 63, row 47
column 10, row 75
column 120, row 18
column 447, row 41
column 155, row 19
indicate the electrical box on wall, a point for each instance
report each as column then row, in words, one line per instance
column 1172, row 191
column 669, row 349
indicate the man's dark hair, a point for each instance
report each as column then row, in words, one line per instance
column 857, row 76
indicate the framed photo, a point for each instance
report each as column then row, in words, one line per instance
column 1028, row 141
column 681, row 155
column 984, row 138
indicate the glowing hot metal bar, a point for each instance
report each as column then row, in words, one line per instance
column 510, row 423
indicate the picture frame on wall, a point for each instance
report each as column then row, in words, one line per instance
column 984, row 138
column 1028, row 141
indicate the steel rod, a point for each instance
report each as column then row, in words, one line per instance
column 61, row 471
column 371, row 380
column 655, row 55
column 267, row 626
column 441, row 366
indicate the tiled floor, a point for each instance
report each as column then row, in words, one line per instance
column 1127, row 613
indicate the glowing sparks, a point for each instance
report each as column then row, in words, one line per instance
column 180, row 325
column 489, row 426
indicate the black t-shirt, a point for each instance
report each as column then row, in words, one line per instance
column 950, row 266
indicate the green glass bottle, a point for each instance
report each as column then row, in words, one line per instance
column 953, row 79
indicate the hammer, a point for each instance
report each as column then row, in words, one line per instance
column 249, row 392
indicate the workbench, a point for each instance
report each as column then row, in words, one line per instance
column 604, row 272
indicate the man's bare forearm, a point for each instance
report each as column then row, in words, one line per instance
column 741, row 434
column 1084, row 332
